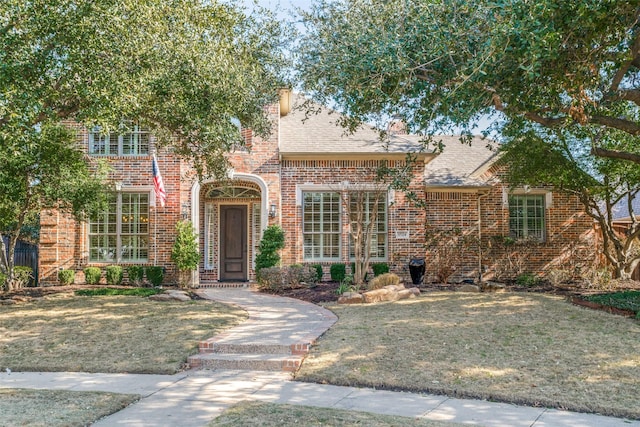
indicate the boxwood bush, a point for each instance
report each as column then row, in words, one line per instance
column 338, row 272
column 66, row 277
column 92, row 275
column 155, row 275
column 114, row 275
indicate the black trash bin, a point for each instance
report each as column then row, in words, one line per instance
column 417, row 268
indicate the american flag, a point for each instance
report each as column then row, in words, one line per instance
column 158, row 185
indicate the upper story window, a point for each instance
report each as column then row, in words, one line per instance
column 527, row 216
column 132, row 142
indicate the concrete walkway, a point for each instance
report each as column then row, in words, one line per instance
column 195, row 397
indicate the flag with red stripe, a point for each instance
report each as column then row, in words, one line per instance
column 158, row 185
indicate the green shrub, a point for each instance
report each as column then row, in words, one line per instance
column 319, row 271
column 22, row 275
column 343, row 287
column 383, row 280
column 185, row 252
column 272, row 279
column 3, row 280
column 272, row 241
column 527, row 280
column 141, row 292
column 155, row 275
column 66, row 277
column 301, row 275
column 338, row 272
column 114, row 275
column 379, row 268
column 135, row 273
column 92, row 275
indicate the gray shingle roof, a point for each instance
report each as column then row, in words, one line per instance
column 320, row 135
column 459, row 164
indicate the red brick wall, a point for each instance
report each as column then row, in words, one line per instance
column 403, row 215
column 569, row 236
column 64, row 241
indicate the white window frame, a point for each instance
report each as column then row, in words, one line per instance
column 105, row 139
column 377, row 232
column 119, row 234
column 522, row 231
column 322, row 232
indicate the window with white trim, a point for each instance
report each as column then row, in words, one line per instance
column 527, row 216
column 135, row 142
column 321, row 227
column 372, row 204
column 121, row 233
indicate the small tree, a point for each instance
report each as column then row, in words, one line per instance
column 185, row 252
column 362, row 204
column 272, row 241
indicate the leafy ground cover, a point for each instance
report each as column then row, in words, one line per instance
column 625, row 300
column 255, row 414
column 139, row 292
column 63, row 332
column 58, row 407
column 528, row 348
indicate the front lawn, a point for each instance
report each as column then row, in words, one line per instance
column 522, row 348
column 256, row 414
column 60, row 408
column 107, row 333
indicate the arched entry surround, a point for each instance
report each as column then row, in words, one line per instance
column 239, row 177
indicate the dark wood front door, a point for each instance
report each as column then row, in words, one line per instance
column 233, row 242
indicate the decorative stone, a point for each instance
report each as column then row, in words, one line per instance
column 415, row 291
column 493, row 287
column 351, row 298
column 379, row 295
column 469, row 288
column 171, row 296
column 405, row 294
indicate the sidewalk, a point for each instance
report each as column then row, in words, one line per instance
column 194, row 398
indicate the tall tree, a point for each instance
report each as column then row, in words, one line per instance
column 444, row 63
column 189, row 70
column 543, row 72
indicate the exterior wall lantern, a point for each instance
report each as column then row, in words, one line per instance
column 272, row 211
column 185, row 211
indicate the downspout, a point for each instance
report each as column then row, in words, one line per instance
column 480, row 196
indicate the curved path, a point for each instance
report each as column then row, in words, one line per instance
column 195, row 397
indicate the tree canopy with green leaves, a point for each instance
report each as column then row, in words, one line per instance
column 445, row 63
column 188, row 70
column 559, row 82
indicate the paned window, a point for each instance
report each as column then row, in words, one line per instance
column 321, row 227
column 132, row 143
column 370, row 206
column 526, row 217
column 121, row 233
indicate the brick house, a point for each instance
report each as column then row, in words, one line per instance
column 294, row 179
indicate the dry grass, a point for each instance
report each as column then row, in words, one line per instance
column 254, row 414
column 107, row 334
column 522, row 348
column 57, row 408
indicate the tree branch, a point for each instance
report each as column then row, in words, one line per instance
column 613, row 154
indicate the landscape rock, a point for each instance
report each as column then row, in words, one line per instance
column 493, row 287
column 405, row 294
column 469, row 288
column 351, row 298
column 415, row 291
column 380, row 295
column 7, row 302
column 171, row 295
